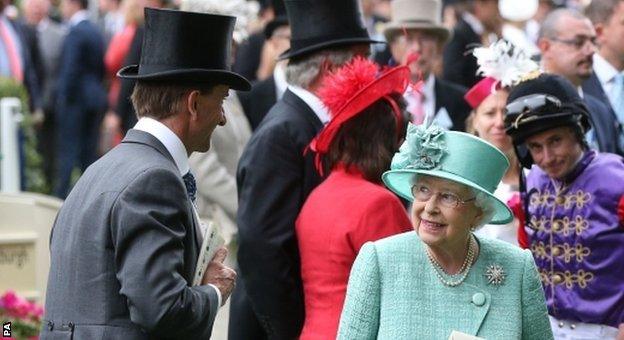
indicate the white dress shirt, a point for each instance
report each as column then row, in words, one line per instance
column 313, row 102
column 605, row 72
column 279, row 75
column 176, row 149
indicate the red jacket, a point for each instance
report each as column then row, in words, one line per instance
column 339, row 216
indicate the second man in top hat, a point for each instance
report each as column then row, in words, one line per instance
column 275, row 177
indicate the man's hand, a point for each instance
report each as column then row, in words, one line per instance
column 620, row 335
column 221, row 276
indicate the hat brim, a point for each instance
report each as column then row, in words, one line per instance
column 392, row 29
column 400, row 182
column 191, row 76
column 289, row 54
column 539, row 124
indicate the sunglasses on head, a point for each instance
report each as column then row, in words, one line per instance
column 530, row 107
column 532, row 103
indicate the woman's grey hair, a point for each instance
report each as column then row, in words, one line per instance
column 303, row 71
column 484, row 202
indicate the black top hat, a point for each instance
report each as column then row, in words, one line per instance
column 185, row 47
column 320, row 24
column 280, row 19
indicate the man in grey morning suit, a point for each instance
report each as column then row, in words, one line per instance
column 124, row 246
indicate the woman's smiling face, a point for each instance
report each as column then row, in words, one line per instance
column 438, row 224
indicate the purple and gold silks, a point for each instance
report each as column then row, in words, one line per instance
column 577, row 239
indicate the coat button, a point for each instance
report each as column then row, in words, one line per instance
column 560, row 200
column 556, row 279
column 478, row 299
column 556, row 251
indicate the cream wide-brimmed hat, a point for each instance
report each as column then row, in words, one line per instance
column 416, row 14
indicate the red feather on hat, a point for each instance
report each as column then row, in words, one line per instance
column 343, row 84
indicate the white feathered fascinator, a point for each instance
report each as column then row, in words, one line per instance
column 504, row 62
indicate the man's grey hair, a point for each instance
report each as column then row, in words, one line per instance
column 303, row 71
column 550, row 26
column 484, row 202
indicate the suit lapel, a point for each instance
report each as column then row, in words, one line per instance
column 141, row 137
column 593, row 87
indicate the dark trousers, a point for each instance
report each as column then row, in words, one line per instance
column 77, row 136
column 244, row 324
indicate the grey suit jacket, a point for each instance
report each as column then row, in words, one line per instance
column 50, row 43
column 123, row 252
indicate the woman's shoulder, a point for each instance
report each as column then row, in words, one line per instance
column 397, row 244
column 503, row 252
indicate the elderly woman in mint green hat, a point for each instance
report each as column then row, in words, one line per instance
column 440, row 279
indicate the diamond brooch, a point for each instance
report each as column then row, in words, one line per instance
column 495, row 274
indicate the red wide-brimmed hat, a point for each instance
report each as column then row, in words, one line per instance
column 353, row 88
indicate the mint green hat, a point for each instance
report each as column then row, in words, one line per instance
column 455, row 156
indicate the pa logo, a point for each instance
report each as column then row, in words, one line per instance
column 6, row 330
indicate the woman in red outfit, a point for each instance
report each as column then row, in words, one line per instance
column 351, row 206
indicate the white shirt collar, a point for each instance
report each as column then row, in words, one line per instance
column 279, row 75
column 313, row 102
column 473, row 22
column 78, row 17
column 604, row 71
column 170, row 140
column 429, row 87
column 429, row 102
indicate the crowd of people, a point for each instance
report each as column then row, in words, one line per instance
column 377, row 169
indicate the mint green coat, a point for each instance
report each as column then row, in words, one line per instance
column 393, row 293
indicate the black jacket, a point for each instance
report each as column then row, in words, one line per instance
column 451, row 97
column 460, row 66
column 257, row 102
column 274, row 179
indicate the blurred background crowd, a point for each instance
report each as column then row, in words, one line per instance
column 66, row 54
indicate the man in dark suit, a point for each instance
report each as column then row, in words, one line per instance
column 274, row 176
column 567, row 44
column 607, row 81
column 479, row 20
column 125, row 245
column 416, row 28
column 81, row 98
column 263, row 95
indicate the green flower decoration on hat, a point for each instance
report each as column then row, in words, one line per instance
column 423, row 148
column 454, row 156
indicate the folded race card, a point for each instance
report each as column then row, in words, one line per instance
column 211, row 243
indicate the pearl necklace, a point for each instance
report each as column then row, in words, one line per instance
column 464, row 270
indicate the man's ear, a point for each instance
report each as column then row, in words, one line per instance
column 192, row 103
column 600, row 31
column 543, row 44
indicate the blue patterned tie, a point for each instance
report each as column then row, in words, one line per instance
column 191, row 186
column 617, row 101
